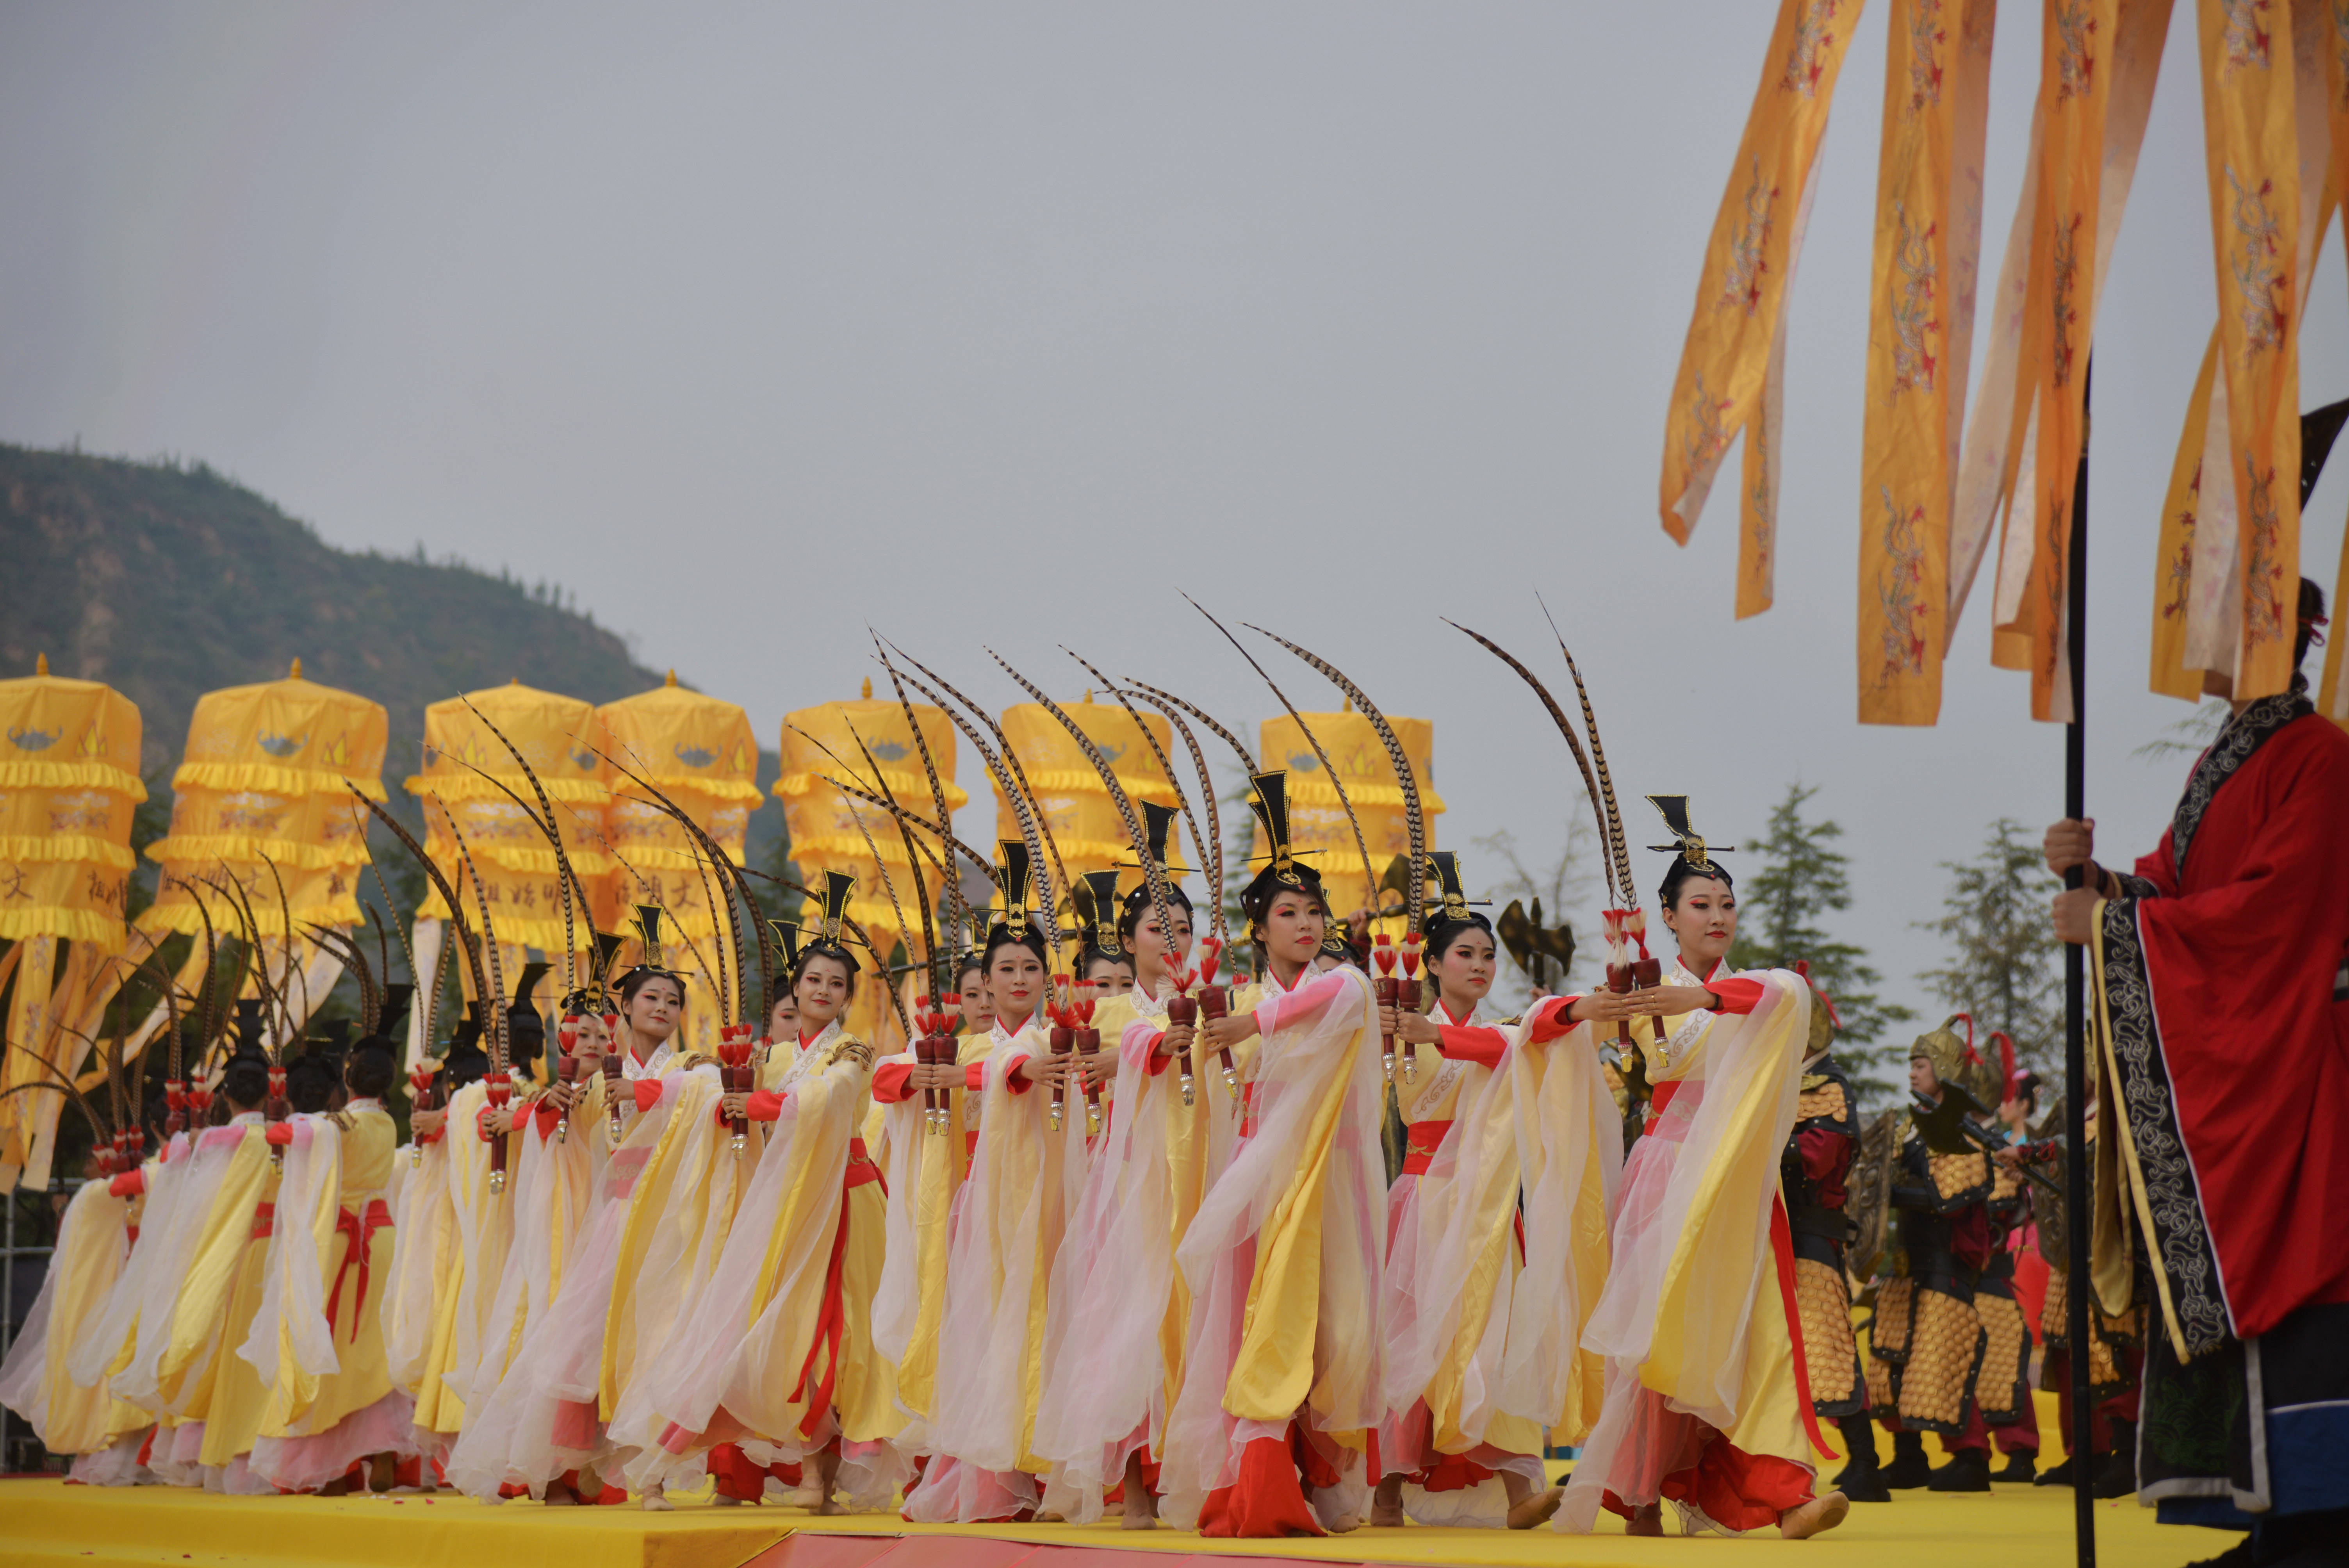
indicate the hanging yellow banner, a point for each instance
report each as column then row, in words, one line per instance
column 1749, row 263
column 1928, row 237
column 2075, row 92
column 2252, row 153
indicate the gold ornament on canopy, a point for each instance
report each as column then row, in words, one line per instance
column 700, row 753
column 1317, row 821
column 69, row 785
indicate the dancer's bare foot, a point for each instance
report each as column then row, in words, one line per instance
column 1344, row 1524
column 383, row 1472
column 1648, row 1520
column 338, row 1487
column 655, row 1500
column 724, row 1500
column 1050, row 1516
column 1141, row 1508
column 1536, row 1508
column 1386, row 1504
column 1819, row 1513
column 827, row 1479
column 560, row 1495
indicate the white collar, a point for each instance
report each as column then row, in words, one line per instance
column 364, row 1102
column 663, row 1054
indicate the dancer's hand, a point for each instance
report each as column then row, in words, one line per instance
column 1410, row 1025
column 1177, row 1040
column 1229, row 1030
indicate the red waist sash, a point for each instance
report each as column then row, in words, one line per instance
column 360, row 1228
column 861, row 1169
column 263, row 1218
column 1656, row 1104
column 1423, row 1138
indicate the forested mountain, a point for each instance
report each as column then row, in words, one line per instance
column 168, row 581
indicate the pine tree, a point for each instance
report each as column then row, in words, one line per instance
column 2003, row 950
column 1803, row 877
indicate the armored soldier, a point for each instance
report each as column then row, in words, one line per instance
column 1928, row 1337
column 1812, row 1172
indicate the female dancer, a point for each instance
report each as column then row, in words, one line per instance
column 927, row 1117
column 799, row 1267
column 1284, row 1373
column 1703, row 1400
column 327, row 1412
column 1454, row 1251
column 1024, row 1182
column 536, row 1429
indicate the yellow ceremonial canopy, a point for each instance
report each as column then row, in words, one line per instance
column 700, row 752
column 266, row 782
column 519, row 880
column 1317, row 822
column 1082, row 820
column 821, row 742
column 69, row 785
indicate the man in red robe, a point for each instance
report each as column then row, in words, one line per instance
column 2221, row 973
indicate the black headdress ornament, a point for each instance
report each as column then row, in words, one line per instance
column 1455, row 916
column 649, row 934
column 1158, row 822
column 1691, row 847
column 1012, row 875
column 837, row 887
column 787, row 934
column 595, row 995
column 1098, row 909
column 1271, row 803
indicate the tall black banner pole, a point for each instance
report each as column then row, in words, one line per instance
column 2076, row 1000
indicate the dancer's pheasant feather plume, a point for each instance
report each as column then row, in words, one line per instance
column 952, row 888
column 1023, row 809
column 1414, row 820
column 1329, row 768
column 1007, row 763
column 1213, row 845
column 1573, row 743
column 1239, row 749
column 1152, row 876
column 552, row 828
column 447, row 896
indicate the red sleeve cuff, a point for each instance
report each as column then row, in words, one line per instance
column 1738, row 995
column 647, row 1093
column 129, row 1184
column 974, row 1077
column 281, row 1133
column 1157, row 1062
column 1550, row 1020
column 1470, row 1043
column 1012, row 1081
column 889, row 1081
column 763, row 1105
column 546, row 1116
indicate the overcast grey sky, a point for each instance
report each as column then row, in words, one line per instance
column 1001, row 322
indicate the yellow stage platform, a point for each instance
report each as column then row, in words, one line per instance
column 47, row 1525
